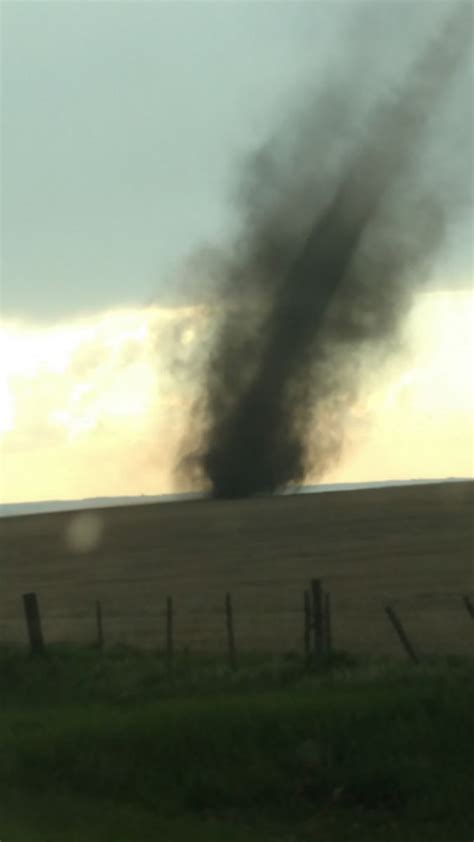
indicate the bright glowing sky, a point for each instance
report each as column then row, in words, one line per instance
column 123, row 125
column 92, row 407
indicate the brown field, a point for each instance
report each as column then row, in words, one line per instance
column 411, row 546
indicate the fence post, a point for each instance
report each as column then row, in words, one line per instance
column 169, row 635
column 318, row 630
column 33, row 622
column 100, row 628
column 469, row 605
column 230, row 632
column 327, row 623
column 307, row 626
column 397, row 625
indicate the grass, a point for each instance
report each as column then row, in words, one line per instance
column 105, row 747
column 109, row 748
column 74, row 819
column 123, row 674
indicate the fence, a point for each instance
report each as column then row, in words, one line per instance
column 316, row 626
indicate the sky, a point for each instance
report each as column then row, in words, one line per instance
column 124, row 129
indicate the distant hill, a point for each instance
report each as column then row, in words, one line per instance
column 408, row 545
column 36, row 507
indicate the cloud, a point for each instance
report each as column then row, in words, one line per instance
column 95, row 391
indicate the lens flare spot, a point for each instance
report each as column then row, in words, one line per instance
column 84, row 532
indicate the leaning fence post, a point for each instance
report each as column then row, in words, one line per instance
column 317, row 595
column 169, row 635
column 100, row 628
column 33, row 622
column 397, row 625
column 230, row 632
column 327, row 623
column 469, row 605
column 307, row 626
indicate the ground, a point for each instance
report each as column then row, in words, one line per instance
column 103, row 747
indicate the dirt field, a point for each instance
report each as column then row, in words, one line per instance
column 411, row 546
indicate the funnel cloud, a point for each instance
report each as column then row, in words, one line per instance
column 340, row 220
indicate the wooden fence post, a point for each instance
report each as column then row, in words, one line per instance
column 307, row 626
column 469, row 605
column 169, row 635
column 318, row 630
column 397, row 625
column 327, row 623
column 33, row 622
column 230, row 632
column 100, row 628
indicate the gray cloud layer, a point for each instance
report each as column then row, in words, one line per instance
column 122, row 125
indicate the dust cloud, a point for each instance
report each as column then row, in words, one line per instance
column 339, row 223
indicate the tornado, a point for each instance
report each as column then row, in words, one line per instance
column 321, row 276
